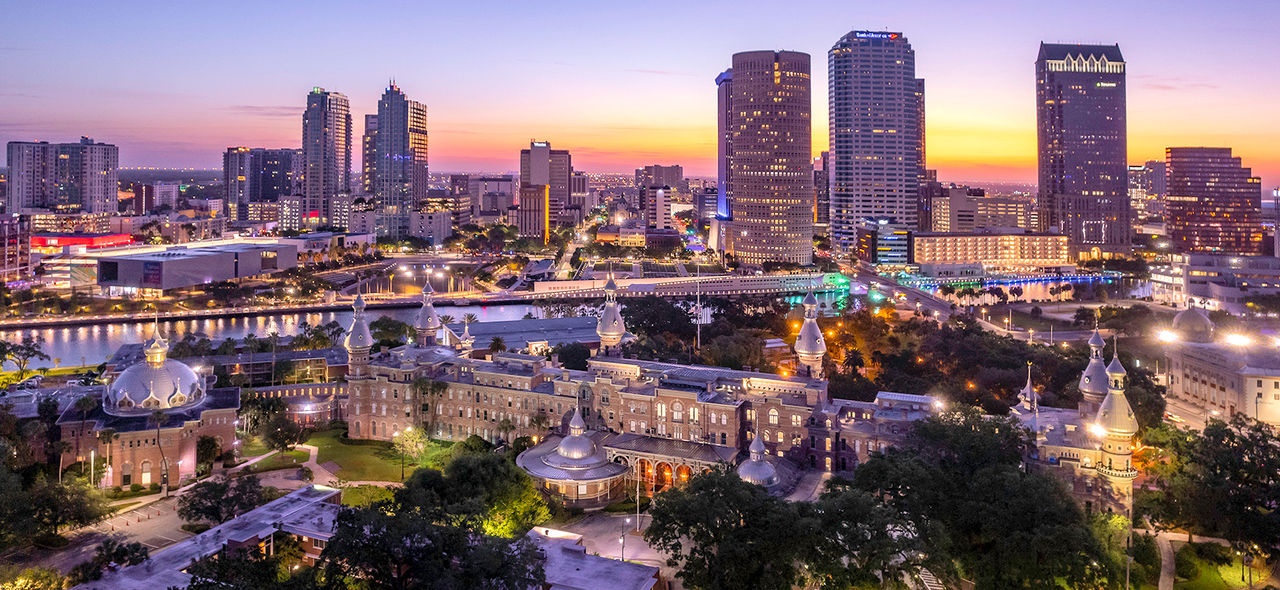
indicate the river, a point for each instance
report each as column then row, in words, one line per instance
column 92, row 344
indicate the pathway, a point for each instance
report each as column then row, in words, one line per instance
column 1166, row 561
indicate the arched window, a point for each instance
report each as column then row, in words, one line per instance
column 662, row 410
column 693, row 413
column 677, row 411
column 780, row 435
column 357, row 430
column 795, row 419
column 773, row 416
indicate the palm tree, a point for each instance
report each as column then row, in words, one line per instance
column 84, row 405
column 470, row 318
column 431, row 390
column 106, row 436
column 947, row 290
column 505, row 427
column 539, row 423
column 1015, row 291
column 446, row 318
column 158, row 417
column 497, row 344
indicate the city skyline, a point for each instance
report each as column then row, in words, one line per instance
column 613, row 97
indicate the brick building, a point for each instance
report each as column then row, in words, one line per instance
column 149, row 420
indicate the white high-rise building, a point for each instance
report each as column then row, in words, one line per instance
column 877, row 138
column 63, row 177
column 326, row 151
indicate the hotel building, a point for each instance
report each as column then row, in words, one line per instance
column 961, row 254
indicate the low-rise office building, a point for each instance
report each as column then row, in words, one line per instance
column 1220, row 373
column 1215, row 281
column 178, row 268
column 957, row 254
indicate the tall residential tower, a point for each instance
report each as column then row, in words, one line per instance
column 767, row 135
column 326, row 152
column 400, row 166
column 1080, row 120
column 877, row 140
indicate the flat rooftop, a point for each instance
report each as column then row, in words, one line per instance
column 309, row 511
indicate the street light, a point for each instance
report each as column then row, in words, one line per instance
column 1167, row 336
column 622, row 556
column 394, row 436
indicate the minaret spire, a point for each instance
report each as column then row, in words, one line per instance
column 610, row 328
column 810, row 345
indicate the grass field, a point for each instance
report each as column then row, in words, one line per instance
column 290, row 459
column 364, row 495
column 252, row 446
column 370, row 460
column 367, row 461
column 1218, row 577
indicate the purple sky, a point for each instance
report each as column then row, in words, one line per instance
column 619, row 84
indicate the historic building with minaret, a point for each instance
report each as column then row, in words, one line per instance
column 1090, row 448
column 665, row 422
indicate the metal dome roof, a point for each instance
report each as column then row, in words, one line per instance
column 1194, row 325
column 577, row 445
column 757, row 470
column 358, row 335
column 158, row 383
column 427, row 318
column 1115, row 416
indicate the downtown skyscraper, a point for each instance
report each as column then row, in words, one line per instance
column 876, row 107
column 1082, row 141
column 326, row 154
column 1214, row 203
column 400, row 177
column 766, row 153
column 542, row 166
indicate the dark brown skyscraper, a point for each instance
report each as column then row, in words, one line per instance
column 1080, row 117
column 1214, row 203
column 770, row 150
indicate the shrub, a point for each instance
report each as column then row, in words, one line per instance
column 195, row 528
column 155, row 487
column 305, row 474
column 1213, row 553
column 1186, row 564
column 135, row 487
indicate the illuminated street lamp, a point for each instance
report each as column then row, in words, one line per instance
column 1167, row 336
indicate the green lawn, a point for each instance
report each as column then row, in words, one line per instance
column 290, row 459
column 252, row 446
column 364, row 495
column 123, row 507
column 365, row 461
column 371, row 460
column 1219, row 577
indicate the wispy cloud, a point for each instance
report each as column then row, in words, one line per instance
column 1168, row 84
column 265, row 110
column 659, row 72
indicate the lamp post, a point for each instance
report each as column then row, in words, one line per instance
column 622, row 555
column 395, row 435
column 1031, row 335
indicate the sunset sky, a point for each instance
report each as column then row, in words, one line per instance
column 620, row 84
